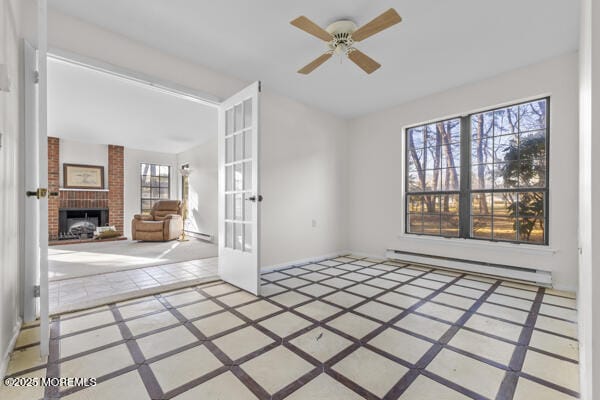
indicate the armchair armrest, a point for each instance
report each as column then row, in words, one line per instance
column 143, row 217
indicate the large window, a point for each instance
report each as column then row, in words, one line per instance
column 482, row 176
column 155, row 184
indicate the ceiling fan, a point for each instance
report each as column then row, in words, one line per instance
column 341, row 36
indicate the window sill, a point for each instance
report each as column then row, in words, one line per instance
column 482, row 244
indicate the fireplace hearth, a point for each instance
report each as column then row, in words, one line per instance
column 80, row 223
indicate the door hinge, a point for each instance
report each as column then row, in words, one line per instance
column 259, row 86
column 36, row 291
column 36, row 76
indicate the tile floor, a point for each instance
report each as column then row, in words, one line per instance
column 345, row 328
column 71, row 294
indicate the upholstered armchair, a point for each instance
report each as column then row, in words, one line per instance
column 163, row 223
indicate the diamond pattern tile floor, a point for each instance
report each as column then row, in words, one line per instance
column 345, row 328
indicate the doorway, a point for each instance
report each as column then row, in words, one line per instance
column 132, row 135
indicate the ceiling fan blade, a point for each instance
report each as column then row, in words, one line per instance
column 365, row 62
column 310, row 27
column 310, row 67
column 384, row 21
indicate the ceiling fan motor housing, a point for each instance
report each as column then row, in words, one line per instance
column 342, row 41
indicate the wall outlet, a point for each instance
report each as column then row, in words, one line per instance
column 314, row 223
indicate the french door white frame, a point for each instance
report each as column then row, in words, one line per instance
column 239, row 189
column 35, row 263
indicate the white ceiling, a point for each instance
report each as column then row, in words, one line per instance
column 95, row 107
column 440, row 43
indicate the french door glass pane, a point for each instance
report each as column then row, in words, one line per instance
column 238, row 236
column 247, row 113
column 229, row 235
column 247, row 143
column 248, row 175
column 229, row 122
column 238, row 204
column 228, row 206
column 229, row 149
column 239, row 146
column 229, row 178
column 238, row 118
column 238, row 177
column 248, row 237
column 247, row 209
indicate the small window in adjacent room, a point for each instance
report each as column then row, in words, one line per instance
column 503, row 193
column 155, row 185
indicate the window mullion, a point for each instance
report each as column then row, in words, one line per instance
column 465, row 177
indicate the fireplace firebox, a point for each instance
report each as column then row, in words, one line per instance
column 80, row 223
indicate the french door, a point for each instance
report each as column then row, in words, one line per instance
column 239, row 195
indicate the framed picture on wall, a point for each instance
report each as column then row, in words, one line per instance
column 79, row 176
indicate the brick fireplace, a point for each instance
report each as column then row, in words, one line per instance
column 105, row 206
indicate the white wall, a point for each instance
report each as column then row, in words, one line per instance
column 301, row 147
column 375, row 210
column 132, row 164
column 589, row 218
column 74, row 152
column 302, row 167
column 203, row 206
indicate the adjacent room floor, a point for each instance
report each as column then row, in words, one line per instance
column 90, row 274
column 85, row 259
column 345, row 328
column 89, row 291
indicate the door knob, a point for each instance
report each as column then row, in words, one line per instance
column 254, row 198
column 39, row 193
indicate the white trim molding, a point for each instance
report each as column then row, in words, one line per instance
column 304, row 261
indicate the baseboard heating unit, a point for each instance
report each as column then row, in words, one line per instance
column 539, row 277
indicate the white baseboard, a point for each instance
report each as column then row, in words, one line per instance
column 368, row 255
column 303, row 261
column 9, row 349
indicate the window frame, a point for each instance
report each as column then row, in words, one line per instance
column 465, row 190
column 142, row 185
